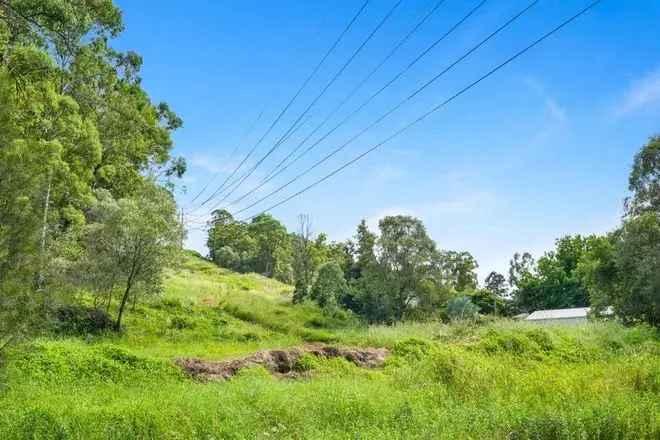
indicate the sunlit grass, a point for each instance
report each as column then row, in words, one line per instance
column 501, row 379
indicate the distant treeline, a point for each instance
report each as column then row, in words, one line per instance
column 400, row 273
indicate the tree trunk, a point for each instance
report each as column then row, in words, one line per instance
column 124, row 300
column 44, row 229
column 107, row 306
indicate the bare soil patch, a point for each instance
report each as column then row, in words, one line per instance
column 281, row 362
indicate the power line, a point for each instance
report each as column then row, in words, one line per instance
column 433, row 110
column 295, row 96
column 401, row 103
column 352, row 93
column 233, row 185
column 319, row 96
column 247, row 132
column 296, row 128
column 366, row 102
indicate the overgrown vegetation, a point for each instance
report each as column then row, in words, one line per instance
column 85, row 192
column 464, row 380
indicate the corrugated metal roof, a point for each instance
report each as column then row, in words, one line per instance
column 579, row 312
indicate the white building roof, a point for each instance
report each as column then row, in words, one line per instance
column 579, row 312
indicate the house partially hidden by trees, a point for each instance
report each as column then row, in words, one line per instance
column 578, row 315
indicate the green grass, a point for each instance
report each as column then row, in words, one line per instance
column 503, row 379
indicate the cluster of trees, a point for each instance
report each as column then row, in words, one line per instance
column 620, row 270
column 399, row 273
column 396, row 274
column 265, row 246
column 85, row 165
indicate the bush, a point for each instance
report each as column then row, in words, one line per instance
column 306, row 362
column 512, row 342
column 330, row 285
column 80, row 320
column 412, row 348
column 67, row 361
column 461, row 309
column 181, row 322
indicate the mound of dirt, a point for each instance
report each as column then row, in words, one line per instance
column 281, row 362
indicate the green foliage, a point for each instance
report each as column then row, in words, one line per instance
column 644, row 180
column 128, row 244
column 182, row 322
column 461, row 309
column 412, row 348
column 80, row 320
column 306, row 362
column 531, row 343
column 84, row 160
column 304, row 263
column 398, row 270
column 459, row 270
column 488, row 302
column 474, row 380
column 638, row 262
column 69, row 361
column 73, row 118
column 622, row 270
column 330, row 286
column 496, row 283
column 262, row 246
column 554, row 281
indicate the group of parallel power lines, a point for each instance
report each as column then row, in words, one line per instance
column 203, row 204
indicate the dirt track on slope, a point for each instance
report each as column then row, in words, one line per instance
column 280, row 362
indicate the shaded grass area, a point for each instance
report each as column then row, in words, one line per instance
column 502, row 379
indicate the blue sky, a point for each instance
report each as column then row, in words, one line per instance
column 539, row 150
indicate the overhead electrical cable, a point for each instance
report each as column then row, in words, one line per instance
column 291, row 101
column 297, row 127
column 317, row 98
column 355, row 89
column 230, row 157
column 366, row 102
column 400, row 104
column 431, row 111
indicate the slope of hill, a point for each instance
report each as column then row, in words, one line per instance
column 494, row 380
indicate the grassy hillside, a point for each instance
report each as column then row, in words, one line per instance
column 495, row 380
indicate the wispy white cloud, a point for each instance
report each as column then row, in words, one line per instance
column 386, row 173
column 372, row 221
column 207, row 163
column 641, row 93
column 213, row 163
column 458, row 207
column 555, row 110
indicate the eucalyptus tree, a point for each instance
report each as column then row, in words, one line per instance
column 129, row 242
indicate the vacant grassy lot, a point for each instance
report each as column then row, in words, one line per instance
column 496, row 380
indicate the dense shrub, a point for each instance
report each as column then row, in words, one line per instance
column 330, row 285
column 530, row 343
column 306, row 362
column 181, row 322
column 74, row 319
column 412, row 348
column 73, row 362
